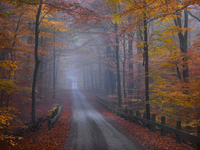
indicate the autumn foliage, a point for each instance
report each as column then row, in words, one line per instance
column 150, row 140
column 138, row 53
column 27, row 30
column 44, row 138
column 173, row 56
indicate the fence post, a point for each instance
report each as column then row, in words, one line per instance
column 57, row 109
column 49, row 121
column 153, row 118
column 162, row 131
column 144, row 116
column 178, row 127
column 53, row 114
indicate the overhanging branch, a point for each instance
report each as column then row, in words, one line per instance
column 194, row 16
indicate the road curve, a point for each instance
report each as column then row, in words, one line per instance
column 90, row 130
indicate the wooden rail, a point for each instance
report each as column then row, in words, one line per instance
column 143, row 121
column 51, row 119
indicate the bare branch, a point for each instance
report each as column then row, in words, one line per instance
column 194, row 16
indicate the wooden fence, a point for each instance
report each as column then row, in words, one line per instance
column 51, row 119
column 143, row 121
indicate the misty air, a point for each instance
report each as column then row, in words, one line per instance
column 99, row 75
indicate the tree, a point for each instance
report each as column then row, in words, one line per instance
column 54, row 67
column 62, row 6
column 146, row 11
column 183, row 38
column 37, row 61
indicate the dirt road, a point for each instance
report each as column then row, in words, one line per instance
column 91, row 131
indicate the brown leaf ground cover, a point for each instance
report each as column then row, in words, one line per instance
column 150, row 140
column 45, row 139
column 54, row 139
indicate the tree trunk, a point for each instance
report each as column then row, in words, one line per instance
column 118, row 69
column 37, row 62
column 109, row 86
column 96, row 83
column 112, row 86
column 40, row 79
column 124, row 80
column 106, row 81
column 124, row 64
column 84, row 79
column 88, row 82
column 40, row 75
column 50, row 75
column 130, row 65
column 183, row 40
column 146, row 57
column 54, row 67
column 91, row 74
column 57, row 69
column 100, row 73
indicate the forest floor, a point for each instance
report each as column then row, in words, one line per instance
column 150, row 140
column 43, row 138
column 54, row 139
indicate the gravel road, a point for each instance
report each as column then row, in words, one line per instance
column 91, row 131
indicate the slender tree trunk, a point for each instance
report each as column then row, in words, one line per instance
column 40, row 80
column 91, row 74
column 130, row 65
column 100, row 73
column 183, row 40
column 138, row 84
column 1, row 103
column 57, row 69
column 96, row 83
column 124, row 64
column 50, row 75
column 106, row 81
column 118, row 69
column 46, row 74
column 146, row 57
column 124, row 80
column 111, row 85
column 88, row 81
column 41, row 71
column 84, row 79
column 37, row 62
column 183, row 45
column 54, row 67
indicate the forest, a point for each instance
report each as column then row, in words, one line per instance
column 140, row 54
